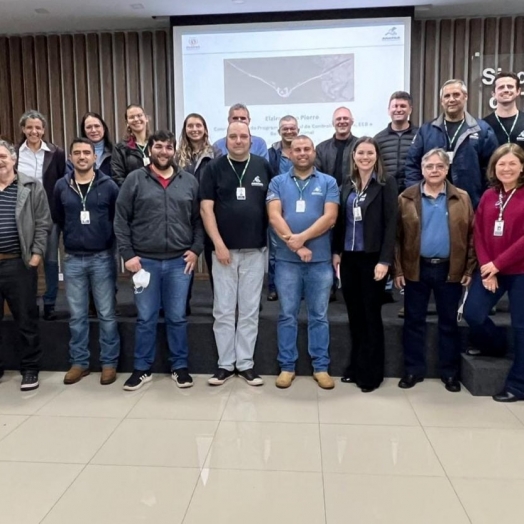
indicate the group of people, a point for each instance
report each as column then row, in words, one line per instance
column 357, row 211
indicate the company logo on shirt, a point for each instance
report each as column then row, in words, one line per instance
column 257, row 182
column 317, row 191
column 520, row 137
column 474, row 135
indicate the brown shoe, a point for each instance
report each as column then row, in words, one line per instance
column 108, row 376
column 324, row 380
column 75, row 374
column 285, row 379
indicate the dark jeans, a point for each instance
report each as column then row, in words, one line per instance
column 492, row 338
column 51, row 267
column 433, row 277
column 18, row 287
column 363, row 297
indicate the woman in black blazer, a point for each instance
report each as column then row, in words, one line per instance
column 363, row 247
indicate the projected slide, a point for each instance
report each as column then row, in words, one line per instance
column 305, row 69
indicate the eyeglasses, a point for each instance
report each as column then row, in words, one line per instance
column 438, row 167
column 136, row 117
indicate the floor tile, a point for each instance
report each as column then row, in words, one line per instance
column 378, row 450
column 28, row 491
column 266, row 445
column 369, row 499
column 270, row 404
column 386, row 405
column 257, row 497
column 435, row 406
column 164, row 400
column 126, row 494
column 57, row 439
column 10, row 422
column 518, row 410
column 479, row 453
column 88, row 398
column 172, row 443
column 488, row 500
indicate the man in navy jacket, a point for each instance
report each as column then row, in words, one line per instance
column 468, row 141
column 84, row 209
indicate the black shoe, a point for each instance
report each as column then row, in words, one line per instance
column 366, row 389
column 347, row 380
column 29, row 381
column 452, row 384
column 506, row 396
column 408, row 381
column 137, row 380
column 182, row 378
column 220, row 377
column 272, row 296
column 49, row 313
column 251, row 377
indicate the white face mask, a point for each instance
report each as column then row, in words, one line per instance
column 141, row 280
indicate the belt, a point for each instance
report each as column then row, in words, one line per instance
column 9, row 256
column 434, row 260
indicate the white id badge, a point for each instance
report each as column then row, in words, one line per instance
column 301, row 206
column 357, row 213
column 498, row 230
column 146, row 161
column 85, row 219
column 241, row 193
column 451, row 154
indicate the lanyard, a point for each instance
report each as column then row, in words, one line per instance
column 142, row 149
column 502, row 206
column 302, row 189
column 360, row 193
column 241, row 177
column 512, row 127
column 452, row 140
column 82, row 197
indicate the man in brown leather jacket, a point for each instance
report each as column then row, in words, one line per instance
column 434, row 252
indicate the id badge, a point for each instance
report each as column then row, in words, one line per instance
column 147, row 161
column 357, row 213
column 241, row 193
column 498, row 230
column 451, row 154
column 301, row 206
column 85, row 219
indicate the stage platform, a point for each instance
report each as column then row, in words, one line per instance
column 481, row 377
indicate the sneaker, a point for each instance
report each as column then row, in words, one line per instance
column 137, row 380
column 182, row 378
column 285, row 379
column 324, row 380
column 29, row 381
column 251, row 377
column 220, row 377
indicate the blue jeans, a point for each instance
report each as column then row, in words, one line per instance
column 272, row 249
column 97, row 272
column 168, row 288
column 51, row 267
column 489, row 337
column 433, row 277
column 312, row 281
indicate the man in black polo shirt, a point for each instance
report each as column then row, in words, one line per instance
column 25, row 222
column 233, row 193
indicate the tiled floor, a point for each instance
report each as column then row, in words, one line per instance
column 87, row 454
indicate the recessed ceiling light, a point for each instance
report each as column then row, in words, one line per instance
column 137, row 6
column 238, row 1
column 42, row 11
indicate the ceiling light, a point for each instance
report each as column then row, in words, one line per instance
column 137, row 6
column 42, row 11
column 238, row 1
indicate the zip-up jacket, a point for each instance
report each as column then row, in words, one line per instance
column 98, row 235
column 158, row 223
column 126, row 157
column 327, row 157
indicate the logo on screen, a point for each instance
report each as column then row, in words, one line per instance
column 392, row 35
column 193, row 44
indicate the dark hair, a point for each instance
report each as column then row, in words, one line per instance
column 107, row 138
column 504, row 74
column 401, row 95
column 129, row 134
column 501, row 151
column 378, row 168
column 81, row 140
column 161, row 136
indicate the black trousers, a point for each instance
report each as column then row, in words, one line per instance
column 363, row 297
column 18, row 287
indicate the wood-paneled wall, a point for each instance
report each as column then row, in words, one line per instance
column 63, row 76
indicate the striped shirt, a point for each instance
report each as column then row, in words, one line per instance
column 9, row 240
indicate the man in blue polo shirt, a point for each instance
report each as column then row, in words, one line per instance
column 302, row 208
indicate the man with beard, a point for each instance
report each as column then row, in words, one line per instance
column 160, row 235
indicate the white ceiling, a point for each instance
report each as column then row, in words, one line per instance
column 19, row 16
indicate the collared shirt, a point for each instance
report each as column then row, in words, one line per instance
column 31, row 163
column 285, row 165
column 316, row 190
column 9, row 239
column 434, row 233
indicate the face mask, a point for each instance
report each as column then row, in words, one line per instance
column 141, row 280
